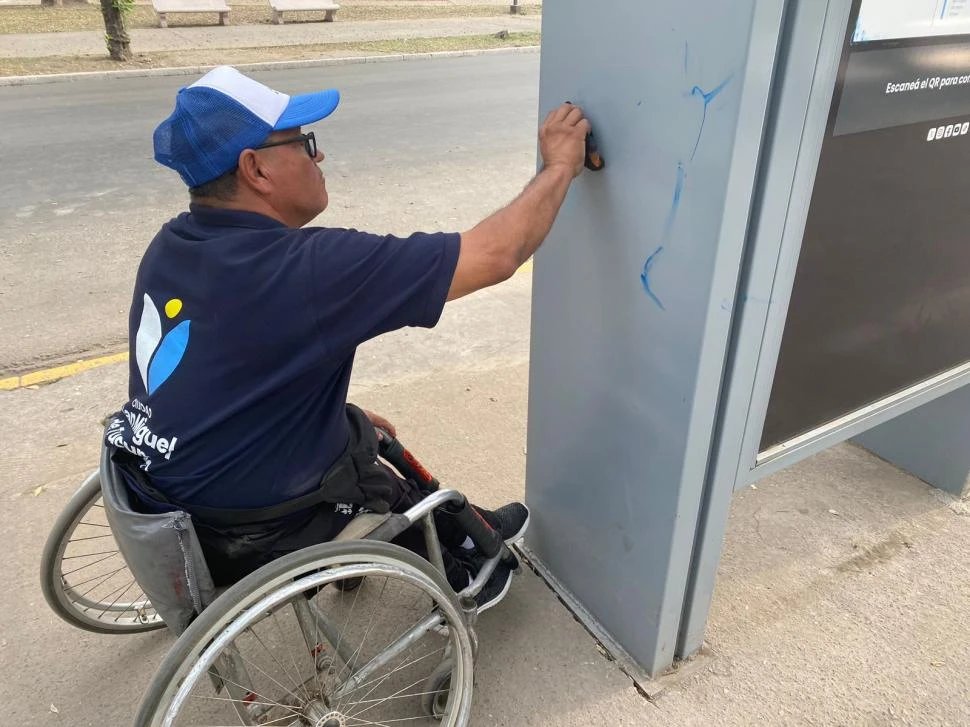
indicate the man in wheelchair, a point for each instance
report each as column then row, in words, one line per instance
column 244, row 326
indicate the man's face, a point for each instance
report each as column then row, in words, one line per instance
column 299, row 187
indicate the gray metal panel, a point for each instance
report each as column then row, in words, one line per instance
column 808, row 65
column 881, row 299
column 632, row 296
column 771, row 272
column 806, row 96
column 856, row 422
column 930, row 442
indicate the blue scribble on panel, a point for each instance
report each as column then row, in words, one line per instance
column 645, row 276
column 708, row 96
column 668, row 229
column 675, row 204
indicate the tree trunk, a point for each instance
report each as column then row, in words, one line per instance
column 116, row 34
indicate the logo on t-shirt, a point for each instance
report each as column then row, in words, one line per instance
column 159, row 355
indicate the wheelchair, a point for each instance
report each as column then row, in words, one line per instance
column 353, row 632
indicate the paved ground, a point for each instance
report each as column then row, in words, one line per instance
column 856, row 617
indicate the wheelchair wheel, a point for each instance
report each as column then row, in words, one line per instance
column 84, row 577
column 280, row 649
column 434, row 701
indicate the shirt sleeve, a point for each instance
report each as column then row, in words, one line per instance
column 362, row 285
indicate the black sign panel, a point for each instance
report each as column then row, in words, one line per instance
column 881, row 299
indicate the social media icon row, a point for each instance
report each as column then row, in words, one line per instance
column 945, row 132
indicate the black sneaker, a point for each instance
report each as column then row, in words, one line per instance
column 510, row 520
column 496, row 587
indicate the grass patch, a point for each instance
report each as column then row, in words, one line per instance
column 36, row 19
column 239, row 56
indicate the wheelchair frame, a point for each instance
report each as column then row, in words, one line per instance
column 207, row 646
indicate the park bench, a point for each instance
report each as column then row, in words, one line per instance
column 279, row 6
column 164, row 7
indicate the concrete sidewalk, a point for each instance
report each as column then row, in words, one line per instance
column 154, row 40
column 842, row 596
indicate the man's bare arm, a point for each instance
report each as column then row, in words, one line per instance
column 494, row 249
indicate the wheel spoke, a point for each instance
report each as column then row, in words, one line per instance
column 108, row 553
column 381, row 679
column 114, row 602
column 248, row 690
column 340, row 637
column 104, row 580
column 386, row 722
column 383, row 700
column 92, row 537
column 262, row 671
column 141, row 603
column 75, row 586
column 298, row 683
column 359, row 650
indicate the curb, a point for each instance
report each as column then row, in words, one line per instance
column 270, row 66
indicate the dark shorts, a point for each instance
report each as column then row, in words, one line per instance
column 234, row 552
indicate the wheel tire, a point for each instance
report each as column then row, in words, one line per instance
column 51, row 580
column 436, row 689
column 235, row 609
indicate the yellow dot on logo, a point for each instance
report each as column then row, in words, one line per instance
column 173, row 307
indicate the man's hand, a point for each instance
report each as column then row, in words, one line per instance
column 562, row 138
column 495, row 248
column 378, row 421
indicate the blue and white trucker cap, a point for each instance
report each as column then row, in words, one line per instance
column 225, row 112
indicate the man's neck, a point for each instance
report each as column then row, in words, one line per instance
column 257, row 205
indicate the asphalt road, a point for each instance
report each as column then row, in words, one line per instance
column 424, row 144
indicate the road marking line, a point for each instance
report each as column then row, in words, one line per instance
column 47, row 376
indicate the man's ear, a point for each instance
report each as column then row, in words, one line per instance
column 253, row 172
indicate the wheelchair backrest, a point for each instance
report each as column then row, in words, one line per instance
column 162, row 551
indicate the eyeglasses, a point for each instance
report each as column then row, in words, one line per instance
column 309, row 143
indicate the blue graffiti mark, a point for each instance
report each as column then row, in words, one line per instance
column 668, row 229
column 708, row 96
column 675, row 204
column 645, row 277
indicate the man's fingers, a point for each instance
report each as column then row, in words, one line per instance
column 574, row 116
column 562, row 112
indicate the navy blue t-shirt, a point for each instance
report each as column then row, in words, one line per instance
column 242, row 339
